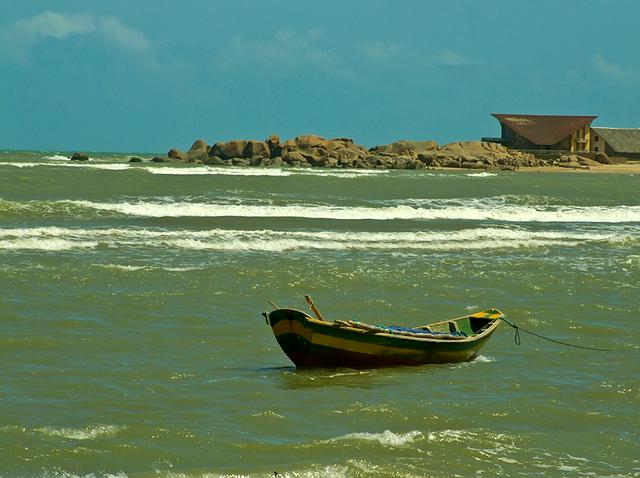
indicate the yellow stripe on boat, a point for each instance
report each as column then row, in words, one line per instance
column 361, row 347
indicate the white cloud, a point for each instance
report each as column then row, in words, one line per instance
column 616, row 72
column 452, row 58
column 17, row 39
column 51, row 24
column 380, row 51
column 286, row 49
column 116, row 32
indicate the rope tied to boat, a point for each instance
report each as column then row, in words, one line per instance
column 518, row 340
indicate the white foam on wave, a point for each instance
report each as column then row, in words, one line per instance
column 132, row 268
column 56, row 157
column 21, row 164
column 481, row 175
column 58, row 473
column 386, row 438
column 328, row 471
column 439, row 210
column 450, row 435
column 215, row 171
column 45, row 244
column 71, row 164
column 194, row 170
column 121, row 267
column 341, row 173
column 258, row 171
column 87, row 433
column 266, row 240
column 484, row 359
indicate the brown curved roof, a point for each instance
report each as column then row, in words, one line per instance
column 544, row 129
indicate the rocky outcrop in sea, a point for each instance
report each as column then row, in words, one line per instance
column 315, row 151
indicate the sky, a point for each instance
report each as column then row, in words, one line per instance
column 149, row 75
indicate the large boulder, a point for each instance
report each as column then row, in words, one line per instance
column 276, row 162
column 310, row 141
column 273, row 141
column 199, row 144
column 175, row 153
column 256, row 148
column 199, row 151
column 480, row 154
column 215, row 161
column 379, row 161
column 291, row 157
column 229, row 150
column 428, row 159
column 349, row 154
column 450, row 163
column 587, row 161
column 79, row 157
column 320, row 152
column 405, row 148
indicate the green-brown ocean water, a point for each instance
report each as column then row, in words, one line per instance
column 132, row 343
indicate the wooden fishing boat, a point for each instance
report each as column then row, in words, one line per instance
column 316, row 342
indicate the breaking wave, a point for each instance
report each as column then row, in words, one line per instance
column 59, row 239
column 70, row 164
column 344, row 173
column 57, row 161
column 386, row 438
column 438, row 210
column 481, row 175
column 215, row 171
column 56, row 157
column 244, row 171
column 88, row 433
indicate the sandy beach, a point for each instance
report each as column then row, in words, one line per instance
column 631, row 167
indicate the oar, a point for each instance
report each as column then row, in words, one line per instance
column 314, row 308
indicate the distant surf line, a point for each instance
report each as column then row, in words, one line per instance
column 192, row 170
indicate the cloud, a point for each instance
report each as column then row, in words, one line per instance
column 117, row 33
column 451, row 58
column 19, row 38
column 380, row 51
column 51, row 24
column 286, row 49
column 627, row 76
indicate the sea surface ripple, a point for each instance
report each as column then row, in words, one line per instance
column 133, row 346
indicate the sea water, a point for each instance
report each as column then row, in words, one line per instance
column 132, row 342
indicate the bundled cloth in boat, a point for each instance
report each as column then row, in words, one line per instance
column 399, row 330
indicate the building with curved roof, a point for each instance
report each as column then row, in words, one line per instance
column 545, row 132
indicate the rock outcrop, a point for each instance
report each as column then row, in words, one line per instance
column 79, row 157
column 199, row 152
column 175, row 153
column 229, row 150
column 316, row 151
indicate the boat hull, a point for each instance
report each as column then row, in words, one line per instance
column 313, row 343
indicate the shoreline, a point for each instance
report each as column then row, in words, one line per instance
column 631, row 167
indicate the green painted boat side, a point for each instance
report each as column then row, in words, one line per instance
column 310, row 342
